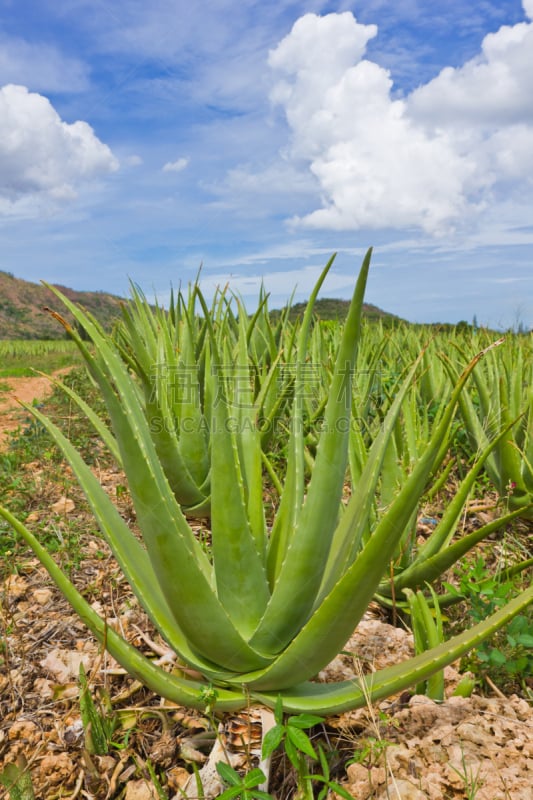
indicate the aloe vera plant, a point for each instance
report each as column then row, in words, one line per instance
column 416, row 564
column 166, row 353
column 269, row 605
column 169, row 354
column 504, row 400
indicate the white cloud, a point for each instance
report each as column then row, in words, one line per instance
column 318, row 54
column 176, row 166
column 493, row 89
column 40, row 66
column 425, row 161
column 43, row 159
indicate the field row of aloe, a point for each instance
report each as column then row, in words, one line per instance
column 33, row 348
column 310, row 447
column 20, row 357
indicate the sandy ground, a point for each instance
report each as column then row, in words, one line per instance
column 25, row 390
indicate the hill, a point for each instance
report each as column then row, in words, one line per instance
column 22, row 302
column 332, row 308
column 22, row 315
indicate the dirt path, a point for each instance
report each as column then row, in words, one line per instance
column 26, row 390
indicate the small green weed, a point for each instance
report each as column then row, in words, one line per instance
column 507, row 658
column 292, row 735
column 472, row 780
column 17, row 780
column 244, row 787
column 299, row 750
column 370, row 752
column 99, row 722
column 324, row 778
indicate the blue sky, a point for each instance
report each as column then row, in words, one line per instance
column 140, row 140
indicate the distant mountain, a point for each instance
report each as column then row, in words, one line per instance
column 22, row 315
column 22, row 302
column 331, row 308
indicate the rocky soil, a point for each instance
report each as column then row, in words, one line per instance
column 408, row 747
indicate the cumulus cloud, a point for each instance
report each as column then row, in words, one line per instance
column 42, row 158
column 176, row 166
column 493, row 89
column 425, row 160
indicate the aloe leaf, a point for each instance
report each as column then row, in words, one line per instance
column 240, row 575
column 357, row 452
column 133, row 347
column 191, row 423
column 293, row 493
column 177, row 425
column 510, row 461
column 149, row 341
column 249, row 439
column 270, row 402
column 528, row 477
column 353, row 524
column 99, row 426
column 436, row 547
column 432, row 567
column 327, row 698
column 300, row 574
column 418, row 627
column 427, row 631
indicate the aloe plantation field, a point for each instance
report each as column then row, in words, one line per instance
column 251, row 555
